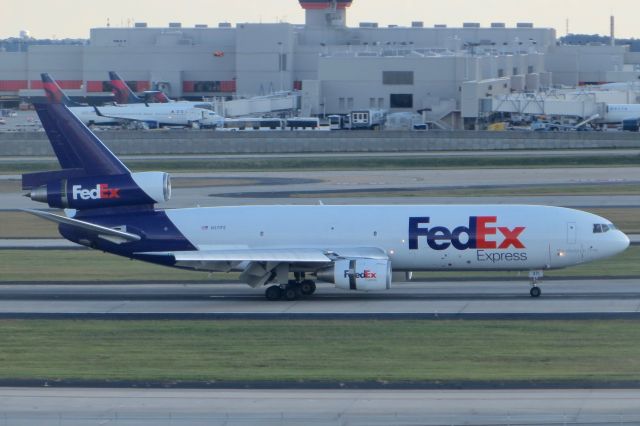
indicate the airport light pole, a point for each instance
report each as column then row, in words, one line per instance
column 281, row 65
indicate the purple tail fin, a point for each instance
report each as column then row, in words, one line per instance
column 79, row 151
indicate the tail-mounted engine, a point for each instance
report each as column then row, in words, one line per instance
column 87, row 192
column 358, row 274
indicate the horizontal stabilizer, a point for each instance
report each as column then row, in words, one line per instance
column 38, row 179
column 114, row 234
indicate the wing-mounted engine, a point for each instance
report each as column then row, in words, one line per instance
column 87, row 192
column 358, row 274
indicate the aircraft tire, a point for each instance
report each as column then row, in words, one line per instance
column 307, row 287
column 535, row 292
column 273, row 293
column 292, row 292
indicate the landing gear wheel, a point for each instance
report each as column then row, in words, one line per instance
column 535, row 292
column 307, row 287
column 292, row 292
column 273, row 293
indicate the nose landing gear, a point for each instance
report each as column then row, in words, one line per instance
column 535, row 291
column 534, row 278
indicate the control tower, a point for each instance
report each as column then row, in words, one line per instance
column 326, row 13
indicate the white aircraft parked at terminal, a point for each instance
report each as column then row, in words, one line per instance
column 162, row 114
column 124, row 94
column 617, row 113
column 154, row 115
column 622, row 86
column 358, row 248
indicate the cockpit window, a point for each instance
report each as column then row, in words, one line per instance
column 600, row 228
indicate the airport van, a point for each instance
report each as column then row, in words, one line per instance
column 372, row 119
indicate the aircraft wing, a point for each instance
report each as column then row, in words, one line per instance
column 260, row 264
column 110, row 234
column 190, row 258
column 116, row 117
column 271, row 255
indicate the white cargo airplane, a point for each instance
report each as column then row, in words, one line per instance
column 358, row 248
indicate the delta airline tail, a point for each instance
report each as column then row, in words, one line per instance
column 157, row 96
column 122, row 92
column 124, row 95
column 54, row 93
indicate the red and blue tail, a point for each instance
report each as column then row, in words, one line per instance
column 55, row 95
column 122, row 92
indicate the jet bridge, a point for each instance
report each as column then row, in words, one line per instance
column 279, row 102
column 574, row 105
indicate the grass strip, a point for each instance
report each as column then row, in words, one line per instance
column 88, row 265
column 348, row 163
column 94, row 266
column 16, row 224
column 404, row 351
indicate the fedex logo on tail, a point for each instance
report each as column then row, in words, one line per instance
column 100, row 192
column 481, row 233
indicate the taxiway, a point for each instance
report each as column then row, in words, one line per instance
column 124, row 407
column 580, row 299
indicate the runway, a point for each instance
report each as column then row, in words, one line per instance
column 124, row 407
column 562, row 299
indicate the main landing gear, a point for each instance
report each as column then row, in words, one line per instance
column 534, row 278
column 291, row 291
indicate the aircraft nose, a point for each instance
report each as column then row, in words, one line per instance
column 622, row 241
column 626, row 241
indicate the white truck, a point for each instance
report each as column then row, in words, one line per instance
column 371, row 119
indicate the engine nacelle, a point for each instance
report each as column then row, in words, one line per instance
column 105, row 191
column 358, row 274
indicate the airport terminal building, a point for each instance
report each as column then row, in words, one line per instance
column 445, row 72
